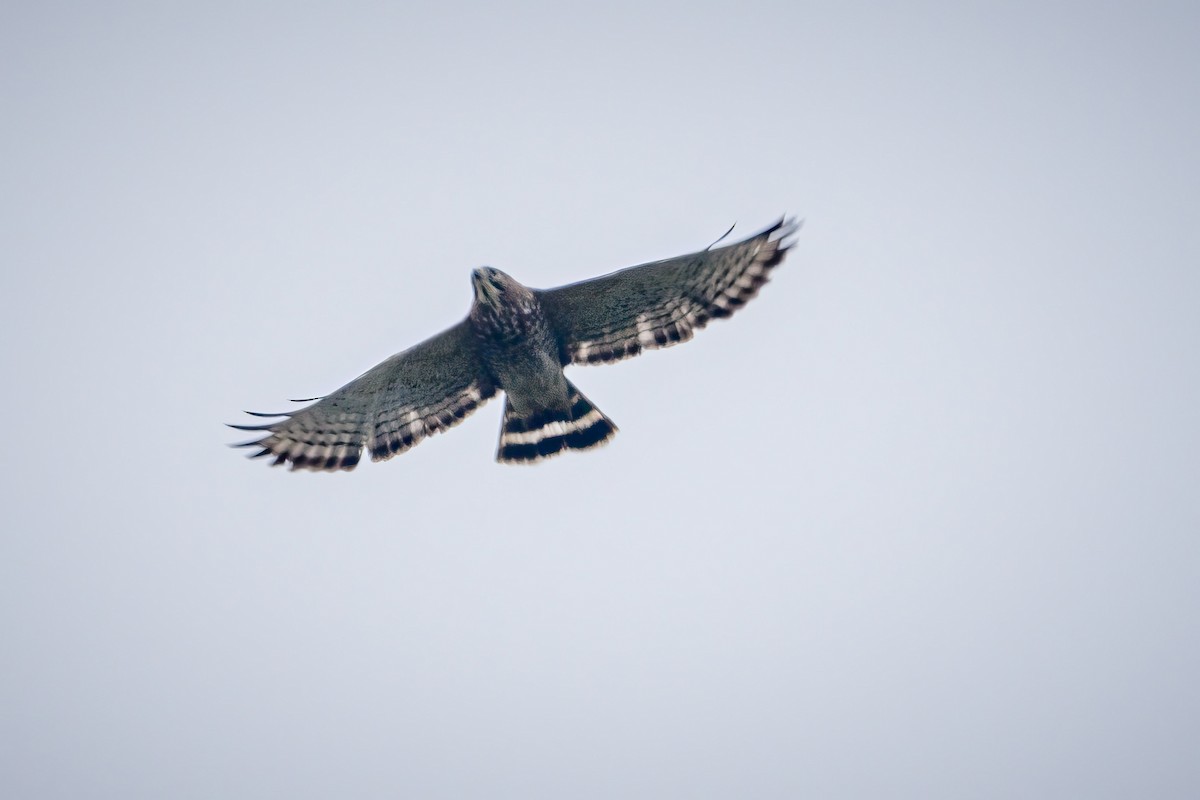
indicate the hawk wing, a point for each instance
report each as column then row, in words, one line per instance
column 426, row 389
column 663, row 303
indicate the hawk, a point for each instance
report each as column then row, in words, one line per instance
column 518, row 340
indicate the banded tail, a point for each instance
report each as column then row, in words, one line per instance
column 530, row 438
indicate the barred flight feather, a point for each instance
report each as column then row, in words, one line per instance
column 545, row 433
column 412, row 395
column 664, row 303
column 398, row 430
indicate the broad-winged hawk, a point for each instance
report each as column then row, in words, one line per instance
column 518, row 340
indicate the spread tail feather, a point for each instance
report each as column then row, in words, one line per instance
column 532, row 437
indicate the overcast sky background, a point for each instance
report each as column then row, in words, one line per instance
column 920, row 522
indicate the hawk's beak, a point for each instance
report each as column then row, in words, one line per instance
column 484, row 290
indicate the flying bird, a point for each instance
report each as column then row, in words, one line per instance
column 518, row 340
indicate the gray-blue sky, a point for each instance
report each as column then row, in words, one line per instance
column 920, row 522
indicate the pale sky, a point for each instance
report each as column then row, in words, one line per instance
column 920, row 522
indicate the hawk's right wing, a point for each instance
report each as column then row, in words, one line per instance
column 660, row 304
column 426, row 389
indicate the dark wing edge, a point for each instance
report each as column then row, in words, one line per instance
column 657, row 305
column 424, row 390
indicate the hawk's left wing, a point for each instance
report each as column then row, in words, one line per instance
column 426, row 389
column 660, row 304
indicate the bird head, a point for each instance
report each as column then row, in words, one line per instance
column 495, row 288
